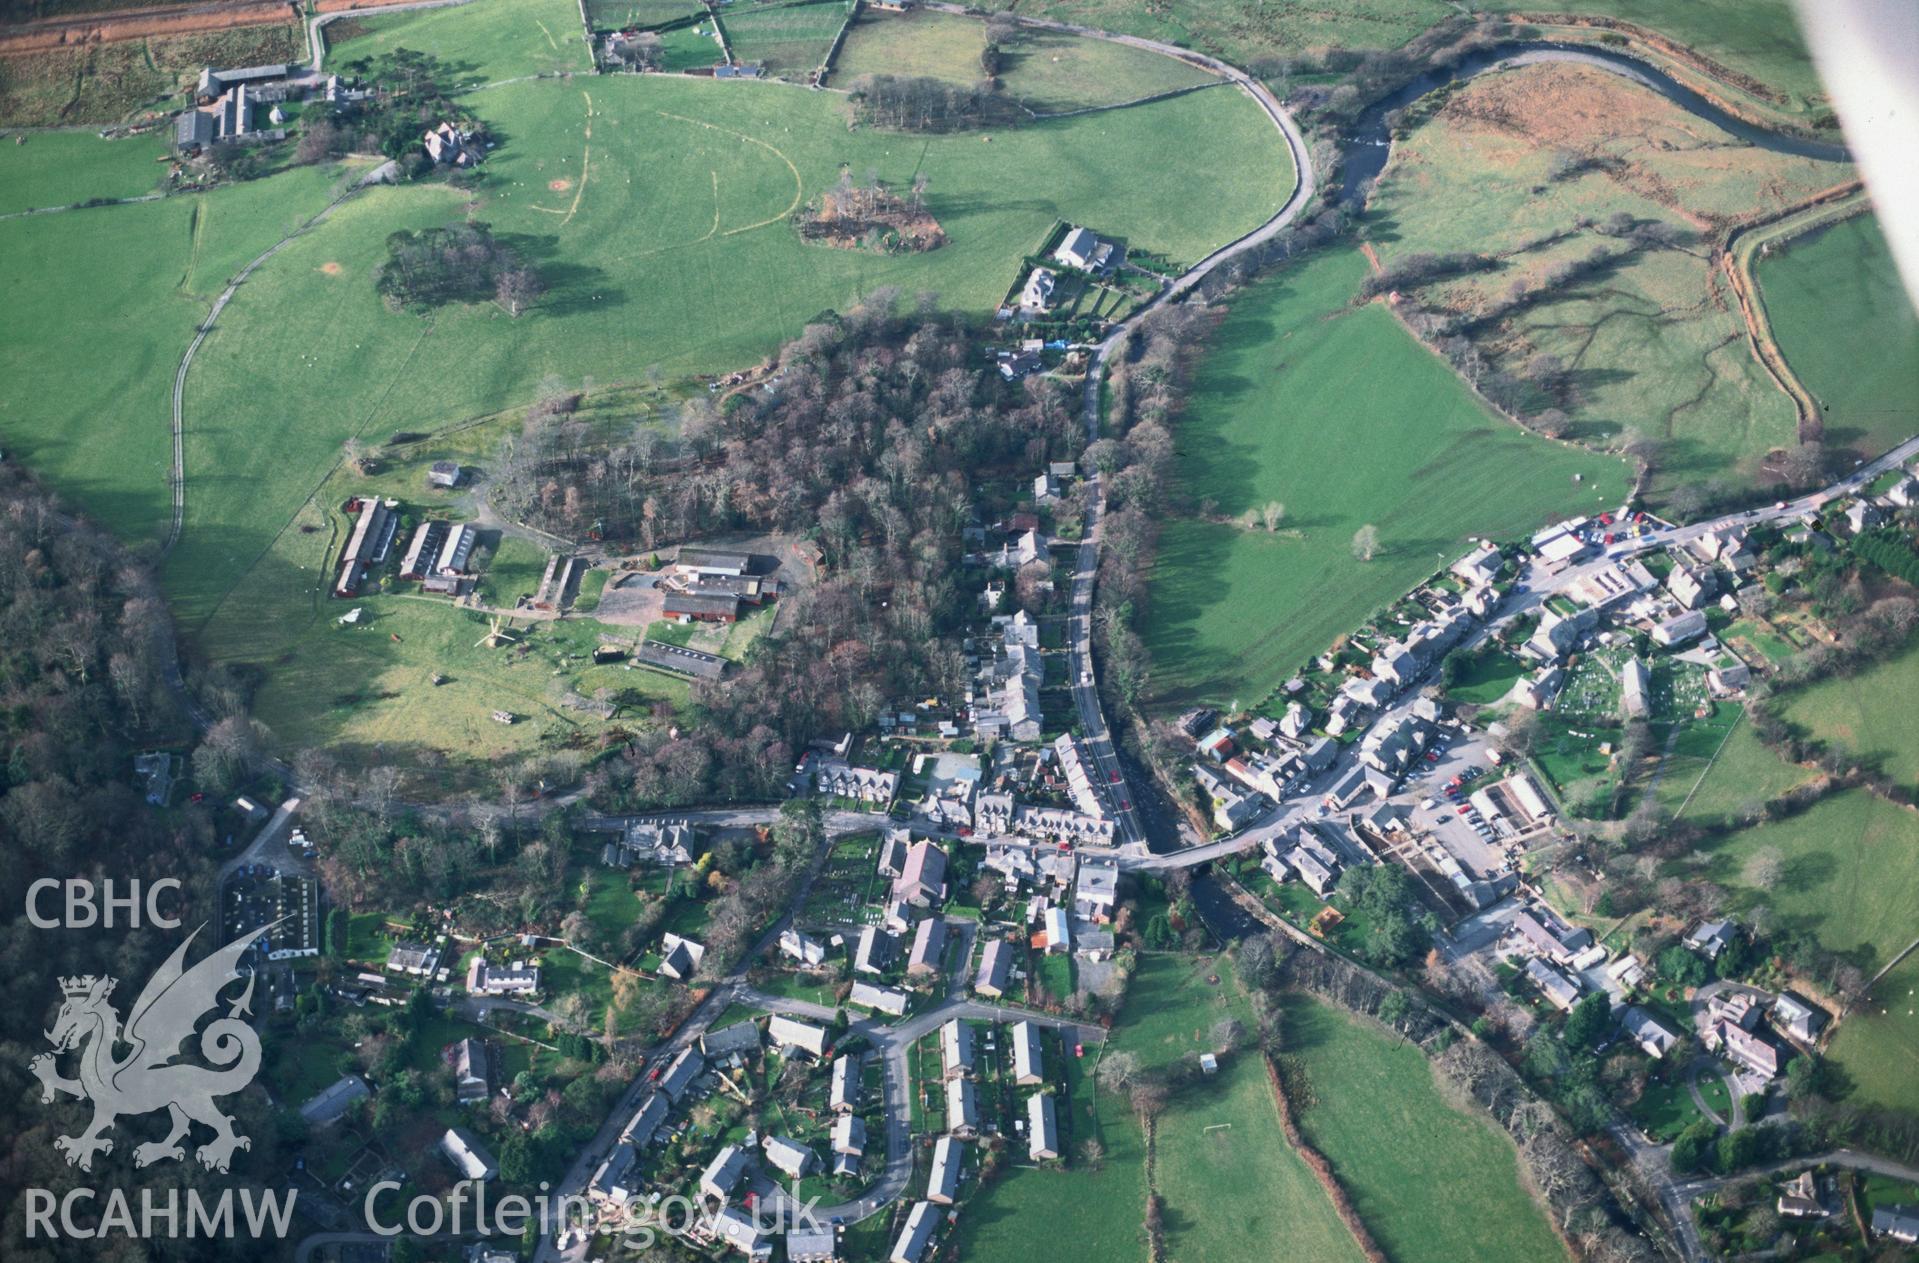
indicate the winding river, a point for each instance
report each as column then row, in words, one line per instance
column 1369, row 144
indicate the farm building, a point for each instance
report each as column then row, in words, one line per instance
column 374, row 524
column 705, row 562
column 458, row 549
column 423, row 551
column 701, row 607
column 215, row 83
column 680, row 660
column 193, row 132
column 444, row 473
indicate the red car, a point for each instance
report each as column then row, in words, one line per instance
column 1463, row 808
column 1114, row 777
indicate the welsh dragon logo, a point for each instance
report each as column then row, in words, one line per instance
column 148, row 1078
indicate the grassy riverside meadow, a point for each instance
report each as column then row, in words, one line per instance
column 1234, row 610
column 1433, row 1184
column 1232, row 1186
column 1847, row 329
column 1653, row 343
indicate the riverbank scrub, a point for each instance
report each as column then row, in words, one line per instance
column 1340, row 415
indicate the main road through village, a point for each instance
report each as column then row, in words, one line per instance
column 1133, row 850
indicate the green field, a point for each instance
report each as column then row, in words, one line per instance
column 136, row 279
column 1233, row 1186
column 614, row 15
column 790, row 40
column 62, row 168
column 1346, row 420
column 484, row 42
column 1046, row 71
column 1719, row 768
column 1850, row 873
column 1869, row 715
column 1848, row 330
column 1878, row 1043
column 1430, row 1182
column 1651, row 344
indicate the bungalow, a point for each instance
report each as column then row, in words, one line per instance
column 516, row 979
column 888, row 1000
column 1653, row 1036
column 942, row 1184
column 911, row 1244
column 1680, row 629
column 680, row 957
column 928, row 953
column 1901, row 1223
column 995, row 967
column 1042, row 1128
column 1029, row 1066
column 849, row 1136
column 735, row 1227
column 467, row 1155
column 1862, row 516
column 790, row 1157
column 330, row 1105
column 723, row 1172
column 1709, row 938
column 962, row 1107
column 875, row 951
column 787, row 1032
column 1562, row 991
column 956, row 1048
column 680, row 1073
column 844, row 1095
column 922, row 882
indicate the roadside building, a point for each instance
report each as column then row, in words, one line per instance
column 1042, row 1128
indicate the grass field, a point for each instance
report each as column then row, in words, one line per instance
column 615, row 15
column 790, row 40
column 1046, row 71
column 484, row 42
column 1652, row 343
column 1878, row 1044
column 1869, row 715
column 1850, row 873
column 1232, row 1185
column 1718, row 768
column 106, row 83
column 136, row 279
column 1848, row 330
column 1430, row 1182
column 1341, row 416
column 62, row 168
